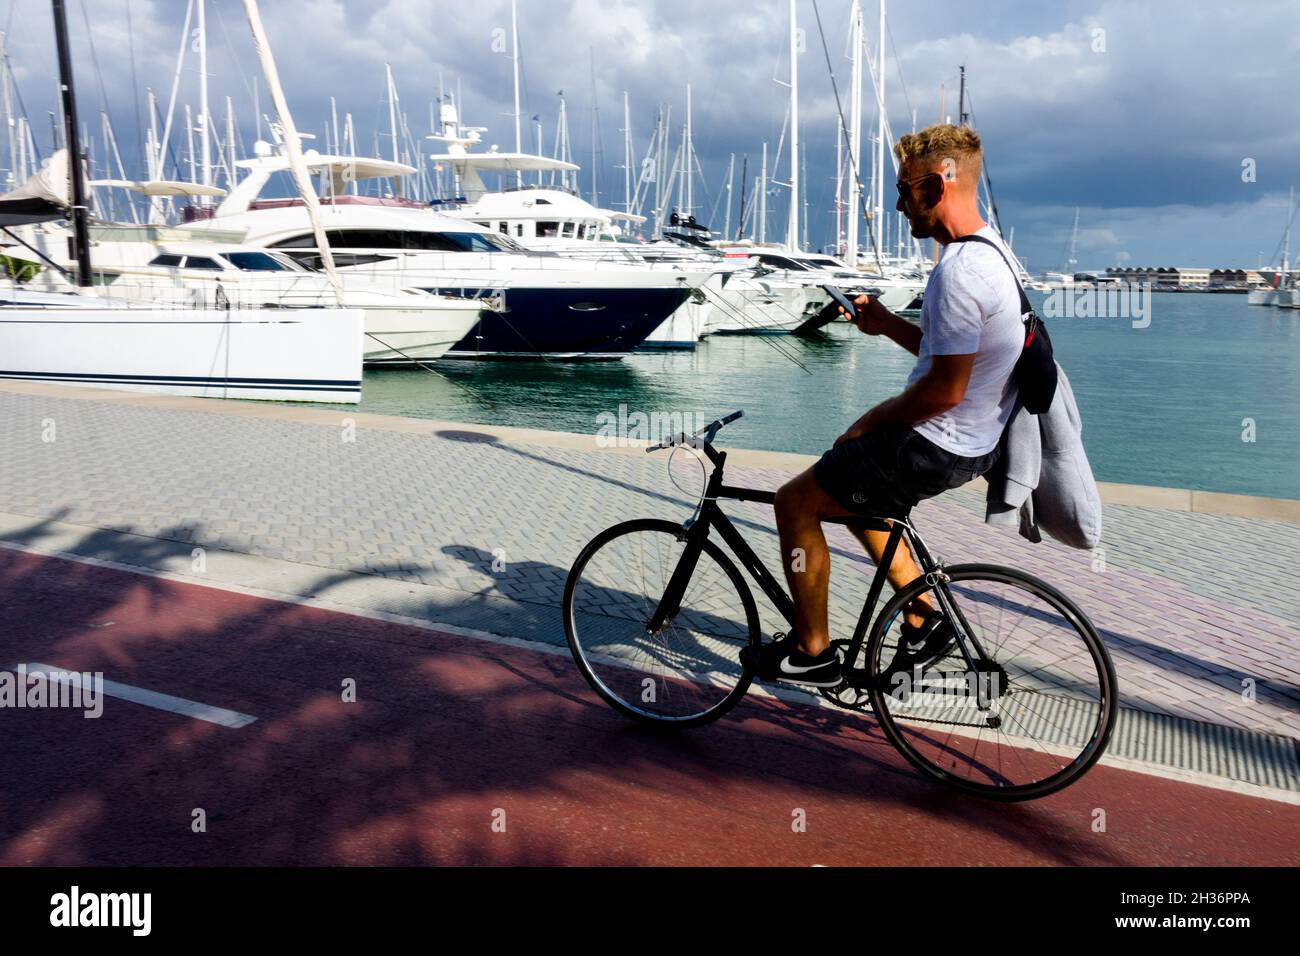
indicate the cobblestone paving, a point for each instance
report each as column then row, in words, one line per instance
column 1194, row 608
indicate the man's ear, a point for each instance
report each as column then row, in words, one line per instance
column 932, row 191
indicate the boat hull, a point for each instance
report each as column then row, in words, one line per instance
column 398, row 337
column 567, row 323
column 306, row 355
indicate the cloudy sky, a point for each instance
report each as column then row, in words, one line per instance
column 1141, row 114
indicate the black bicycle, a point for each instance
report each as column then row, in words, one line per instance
column 1020, row 703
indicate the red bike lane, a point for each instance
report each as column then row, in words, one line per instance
column 459, row 750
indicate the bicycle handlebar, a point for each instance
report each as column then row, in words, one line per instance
column 738, row 413
column 708, row 431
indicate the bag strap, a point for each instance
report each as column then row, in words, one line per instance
column 1025, row 306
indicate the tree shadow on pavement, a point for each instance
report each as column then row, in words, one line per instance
column 456, row 750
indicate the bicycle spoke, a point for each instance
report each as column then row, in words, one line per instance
column 1047, row 707
column 691, row 666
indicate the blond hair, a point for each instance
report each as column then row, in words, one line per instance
column 942, row 142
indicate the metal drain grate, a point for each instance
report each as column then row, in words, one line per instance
column 1266, row 760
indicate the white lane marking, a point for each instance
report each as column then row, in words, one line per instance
column 152, row 698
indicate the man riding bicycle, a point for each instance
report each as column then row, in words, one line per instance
column 940, row 432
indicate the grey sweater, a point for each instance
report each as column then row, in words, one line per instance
column 1042, row 479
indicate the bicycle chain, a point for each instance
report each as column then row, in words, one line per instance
column 866, row 703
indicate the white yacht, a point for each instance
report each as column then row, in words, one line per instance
column 546, row 218
column 542, row 305
column 898, row 290
column 555, row 221
column 149, row 264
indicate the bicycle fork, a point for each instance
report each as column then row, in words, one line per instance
column 695, row 530
column 671, row 601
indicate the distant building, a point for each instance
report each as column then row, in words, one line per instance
column 1188, row 278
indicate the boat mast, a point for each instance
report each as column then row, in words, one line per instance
column 688, row 150
column 740, row 206
column 205, row 137
column 878, row 181
column 595, row 133
column 9, row 111
column 855, row 135
column 519, row 140
column 1286, row 240
column 792, row 233
column 392, row 109
column 661, row 135
column 627, row 156
column 803, row 163
column 537, row 121
column 679, row 164
column 171, row 99
column 562, row 152
column 1073, row 262
column 189, row 143
column 153, row 153
column 961, row 97
column 293, row 146
column 350, row 138
column 80, row 229
column 839, row 190
column 762, row 200
column 230, row 143
column 731, row 173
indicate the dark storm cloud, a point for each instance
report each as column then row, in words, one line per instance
column 1140, row 113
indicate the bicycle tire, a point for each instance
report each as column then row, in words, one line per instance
column 571, row 630
column 1096, row 745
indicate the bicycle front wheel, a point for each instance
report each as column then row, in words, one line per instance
column 1032, row 715
column 689, row 672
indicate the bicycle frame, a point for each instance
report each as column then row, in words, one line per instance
column 711, row 516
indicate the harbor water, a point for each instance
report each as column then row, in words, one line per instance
column 1202, row 397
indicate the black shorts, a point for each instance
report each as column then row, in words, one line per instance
column 887, row 471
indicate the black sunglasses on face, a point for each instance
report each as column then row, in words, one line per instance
column 905, row 185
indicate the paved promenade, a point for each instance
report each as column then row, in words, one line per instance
column 475, row 527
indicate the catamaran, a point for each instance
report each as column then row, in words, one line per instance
column 78, row 338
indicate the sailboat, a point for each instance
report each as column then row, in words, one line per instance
column 76, row 337
column 1284, row 283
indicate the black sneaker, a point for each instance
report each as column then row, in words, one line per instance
column 923, row 645
column 782, row 660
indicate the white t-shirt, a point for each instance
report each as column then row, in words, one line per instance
column 971, row 305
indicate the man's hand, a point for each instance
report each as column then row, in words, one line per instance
column 858, row 428
column 871, row 317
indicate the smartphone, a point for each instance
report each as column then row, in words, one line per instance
column 841, row 298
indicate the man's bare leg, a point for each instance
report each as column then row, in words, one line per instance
column 801, row 507
column 902, row 572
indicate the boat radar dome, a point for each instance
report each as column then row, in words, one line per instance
column 262, row 148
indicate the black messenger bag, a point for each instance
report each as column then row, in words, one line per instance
column 1035, row 371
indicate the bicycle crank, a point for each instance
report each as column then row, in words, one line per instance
column 851, row 693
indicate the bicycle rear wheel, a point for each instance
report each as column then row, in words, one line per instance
column 1028, row 722
column 688, row 673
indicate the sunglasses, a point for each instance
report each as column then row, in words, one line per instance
column 905, row 185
